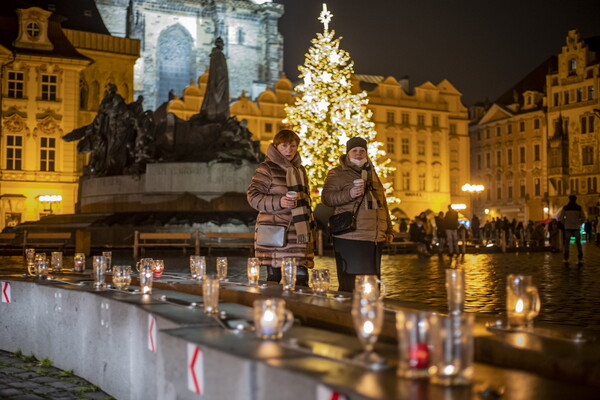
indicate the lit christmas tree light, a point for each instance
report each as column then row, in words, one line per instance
column 326, row 113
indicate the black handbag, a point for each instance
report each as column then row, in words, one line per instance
column 344, row 222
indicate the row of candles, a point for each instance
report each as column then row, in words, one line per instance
column 431, row 345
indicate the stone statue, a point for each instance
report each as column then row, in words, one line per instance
column 215, row 106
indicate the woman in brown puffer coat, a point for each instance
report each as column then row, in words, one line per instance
column 282, row 172
column 358, row 252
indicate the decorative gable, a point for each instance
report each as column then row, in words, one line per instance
column 495, row 113
column 33, row 29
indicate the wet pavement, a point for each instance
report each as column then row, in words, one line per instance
column 570, row 294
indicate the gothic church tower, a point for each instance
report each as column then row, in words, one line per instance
column 177, row 38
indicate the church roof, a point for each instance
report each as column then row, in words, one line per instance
column 9, row 31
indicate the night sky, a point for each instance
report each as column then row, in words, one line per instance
column 482, row 47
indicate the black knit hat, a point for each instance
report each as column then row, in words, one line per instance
column 355, row 142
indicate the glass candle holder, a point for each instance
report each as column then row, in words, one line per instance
column 210, row 294
column 56, row 261
column 146, row 278
column 271, row 319
column 30, row 261
column 158, row 266
column 144, row 263
column 367, row 316
column 198, row 267
column 42, row 267
column 288, row 272
column 455, row 289
column 522, row 301
column 222, row 268
column 122, row 276
column 253, row 270
column 413, row 331
column 99, row 271
column 321, row 280
column 108, row 259
column 451, row 344
column 369, row 286
column 79, row 262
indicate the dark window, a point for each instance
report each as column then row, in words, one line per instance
column 14, row 152
column 509, row 156
column 536, row 152
column 268, row 127
column 390, row 145
column 536, row 123
column 521, row 155
column 15, row 85
column 584, row 124
column 538, row 188
column 588, row 155
column 522, row 126
column 47, row 154
column 390, row 117
column 33, row 29
column 49, row 87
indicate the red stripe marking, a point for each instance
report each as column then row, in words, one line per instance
column 192, row 364
column 4, row 291
column 150, row 333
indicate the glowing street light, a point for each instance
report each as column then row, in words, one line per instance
column 458, row 206
column 50, row 199
column 472, row 188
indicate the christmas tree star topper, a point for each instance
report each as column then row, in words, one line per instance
column 325, row 17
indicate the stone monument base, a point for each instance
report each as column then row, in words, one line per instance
column 208, row 186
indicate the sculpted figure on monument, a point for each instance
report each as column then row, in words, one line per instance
column 215, row 106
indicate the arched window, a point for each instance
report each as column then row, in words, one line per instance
column 83, row 94
column 573, row 66
column 175, row 61
column 240, row 36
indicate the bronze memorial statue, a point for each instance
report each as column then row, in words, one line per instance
column 123, row 138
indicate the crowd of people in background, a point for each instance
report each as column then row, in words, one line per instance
column 440, row 233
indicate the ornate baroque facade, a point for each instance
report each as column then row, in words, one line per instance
column 177, row 38
column 52, row 81
column 539, row 142
column 424, row 133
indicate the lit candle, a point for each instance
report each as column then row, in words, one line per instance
column 253, row 274
column 418, row 355
column 159, row 267
column 268, row 322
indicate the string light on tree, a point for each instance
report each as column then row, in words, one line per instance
column 326, row 112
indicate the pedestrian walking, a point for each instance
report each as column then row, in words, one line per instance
column 451, row 226
column 572, row 216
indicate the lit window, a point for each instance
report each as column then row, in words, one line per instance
column 15, row 85
column 14, row 152
column 47, row 154
column 572, row 66
column 49, row 87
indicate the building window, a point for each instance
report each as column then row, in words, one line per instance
column 498, row 158
column 555, row 160
column 556, row 100
column 522, row 155
column 499, row 193
column 435, row 149
column 487, row 160
column 454, row 155
column 422, row 182
column 47, row 154
column 487, row 133
column 15, row 85
column 522, row 126
column 14, row 152
column 510, row 191
column 579, row 93
column 240, row 36
column 33, row 29
column 453, row 129
column 406, row 180
column 592, row 185
column 436, row 182
column 478, row 161
column 590, row 91
column 572, row 66
column 574, row 186
column 536, row 152
column 509, row 129
column 435, row 121
column 536, row 123
column 49, row 87
column 559, row 186
column 268, row 127
column 83, row 94
column 421, row 120
column 566, row 96
column 509, row 156
column 421, row 147
column 390, row 117
column 522, row 189
column 498, row 131
column 405, row 146
column 590, row 123
column 405, row 119
column 538, row 187
column 453, row 185
column 390, row 145
column 588, row 155
column 583, row 124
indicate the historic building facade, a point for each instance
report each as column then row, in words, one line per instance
column 539, row 142
column 52, row 81
column 177, row 39
column 425, row 134
column 574, row 124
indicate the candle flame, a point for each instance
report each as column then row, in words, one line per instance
column 368, row 327
column 368, row 288
column 268, row 316
column 519, row 306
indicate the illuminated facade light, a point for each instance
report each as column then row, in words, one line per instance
column 51, row 198
column 486, row 211
column 546, row 209
column 458, row 206
column 472, row 188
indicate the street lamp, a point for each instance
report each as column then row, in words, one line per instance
column 50, row 199
column 467, row 187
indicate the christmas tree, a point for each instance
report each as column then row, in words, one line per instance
column 326, row 113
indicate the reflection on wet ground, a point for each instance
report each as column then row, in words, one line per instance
column 570, row 294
